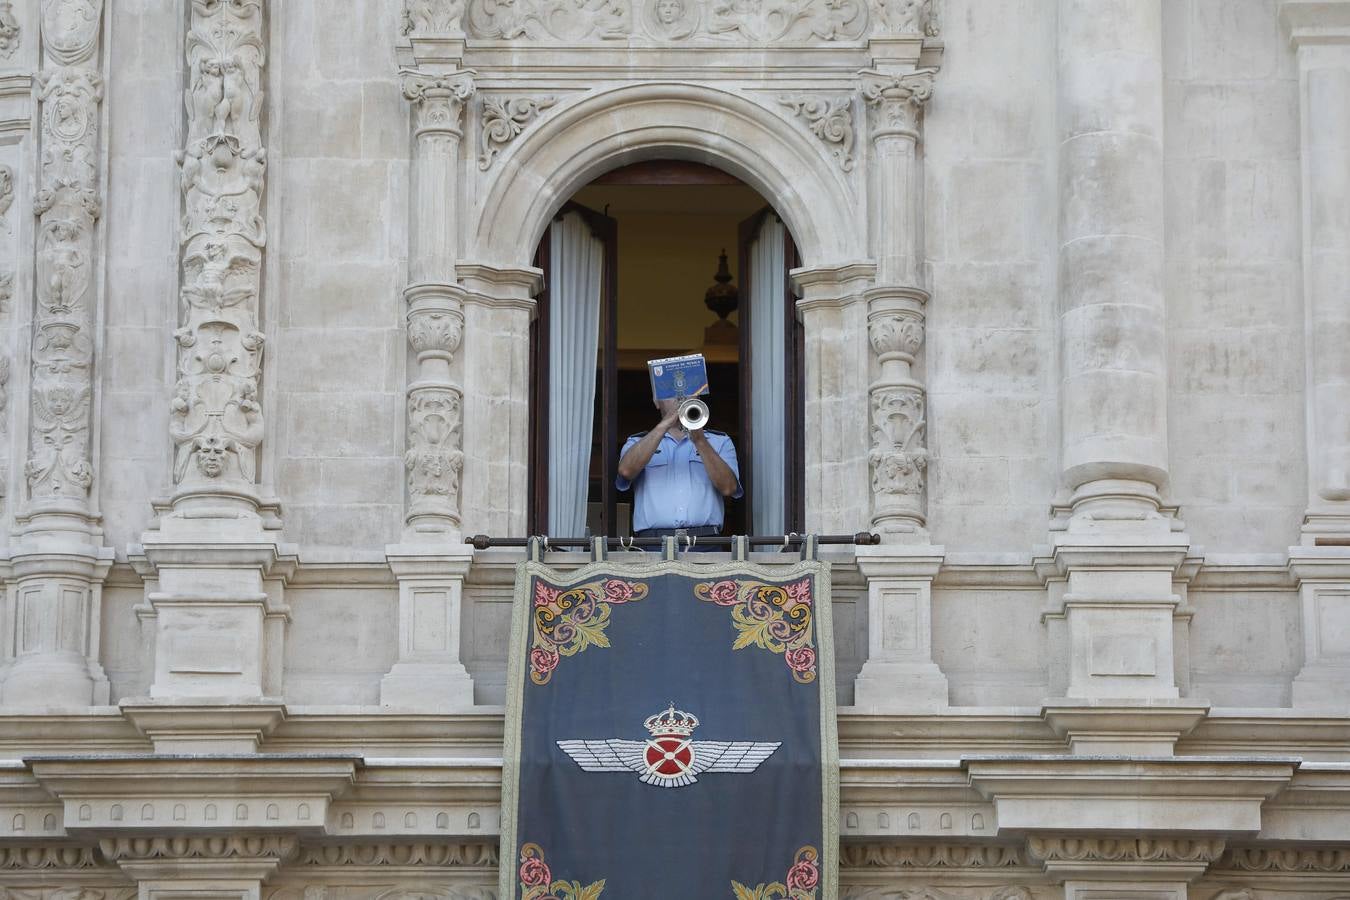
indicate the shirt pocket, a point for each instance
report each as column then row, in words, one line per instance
column 659, row 459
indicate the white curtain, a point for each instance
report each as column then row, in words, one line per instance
column 768, row 370
column 576, row 268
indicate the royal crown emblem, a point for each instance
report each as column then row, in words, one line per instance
column 670, row 757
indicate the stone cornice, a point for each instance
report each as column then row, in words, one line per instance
column 937, row 856
column 1327, row 860
column 215, row 847
column 1311, row 22
column 46, row 857
column 421, row 854
column 1126, row 858
column 1111, row 794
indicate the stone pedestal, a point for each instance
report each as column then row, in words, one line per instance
column 1118, row 605
column 55, row 588
column 900, row 675
column 1323, row 575
column 429, row 674
column 216, row 600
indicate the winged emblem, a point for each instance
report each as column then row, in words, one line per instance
column 670, row 758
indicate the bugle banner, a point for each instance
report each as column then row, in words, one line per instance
column 670, row 734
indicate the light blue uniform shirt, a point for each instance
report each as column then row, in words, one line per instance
column 674, row 490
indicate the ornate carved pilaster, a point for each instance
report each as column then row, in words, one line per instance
column 895, row 317
column 58, row 565
column 429, row 674
column 214, row 565
column 216, row 419
column 59, row 470
column 434, row 457
column 898, row 458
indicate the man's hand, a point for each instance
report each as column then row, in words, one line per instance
column 719, row 473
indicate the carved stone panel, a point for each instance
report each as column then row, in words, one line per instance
column 734, row 21
column 59, row 469
column 216, row 419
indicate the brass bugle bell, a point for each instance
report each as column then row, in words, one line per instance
column 693, row 414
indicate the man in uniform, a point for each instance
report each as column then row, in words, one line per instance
column 681, row 477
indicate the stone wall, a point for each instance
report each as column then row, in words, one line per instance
column 1072, row 289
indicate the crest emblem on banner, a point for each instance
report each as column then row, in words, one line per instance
column 663, row 712
column 670, row 757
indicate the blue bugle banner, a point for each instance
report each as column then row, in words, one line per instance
column 678, row 376
column 670, row 734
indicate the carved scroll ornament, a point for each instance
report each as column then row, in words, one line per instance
column 216, row 420
column 830, row 119
column 503, row 121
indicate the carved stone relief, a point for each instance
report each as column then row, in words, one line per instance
column 10, row 31
column 432, row 17
column 433, row 459
column 752, row 21
column 59, row 469
column 504, row 118
column 898, row 457
column 898, row 17
column 898, row 99
column 886, row 892
column 67, row 893
column 216, row 420
column 828, row 118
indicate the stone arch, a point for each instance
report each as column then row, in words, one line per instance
column 675, row 121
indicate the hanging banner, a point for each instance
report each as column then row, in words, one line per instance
column 670, row 734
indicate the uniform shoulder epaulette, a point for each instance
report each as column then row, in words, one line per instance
column 715, row 431
column 637, row 434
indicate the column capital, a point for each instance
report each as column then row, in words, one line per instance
column 438, row 99
column 898, row 100
column 1316, row 22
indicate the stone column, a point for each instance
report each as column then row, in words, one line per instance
column 834, row 319
column 1114, row 545
column 214, row 564
column 1113, row 389
column 58, row 559
column 895, row 307
column 432, row 561
column 1320, row 32
column 435, row 457
column 899, row 673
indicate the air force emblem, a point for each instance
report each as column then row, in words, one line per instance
column 670, row 758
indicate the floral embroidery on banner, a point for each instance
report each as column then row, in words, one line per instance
column 801, row 883
column 769, row 616
column 568, row 620
column 536, row 880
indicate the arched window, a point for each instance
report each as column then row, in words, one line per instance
column 626, row 264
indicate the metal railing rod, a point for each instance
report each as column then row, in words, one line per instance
column 786, row 541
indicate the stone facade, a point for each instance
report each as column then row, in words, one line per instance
column 1077, row 345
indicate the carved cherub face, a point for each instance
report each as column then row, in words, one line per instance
column 210, row 456
column 668, row 12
